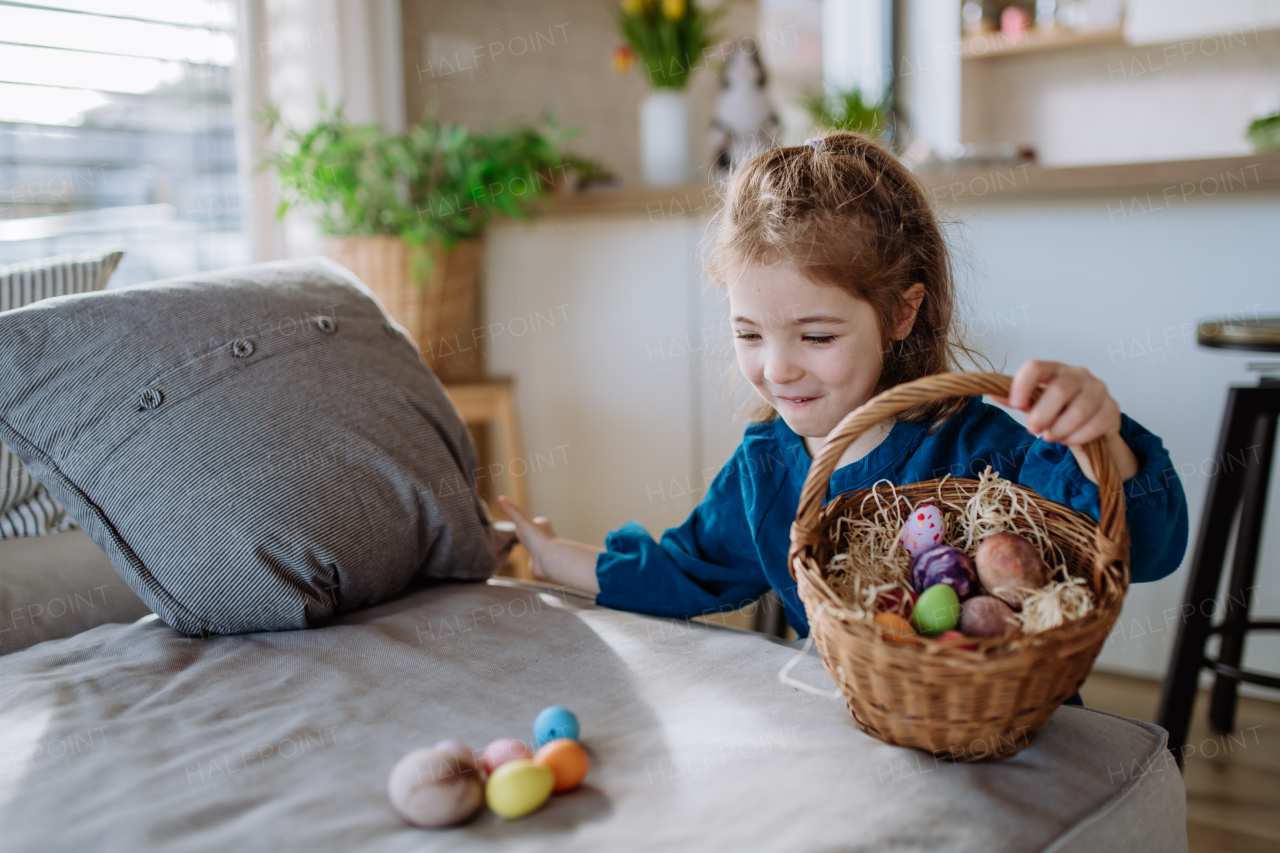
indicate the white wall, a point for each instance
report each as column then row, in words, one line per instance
column 1123, row 104
column 626, row 382
column 1079, row 281
column 1073, row 280
column 1154, row 21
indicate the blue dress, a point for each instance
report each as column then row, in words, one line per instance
column 733, row 546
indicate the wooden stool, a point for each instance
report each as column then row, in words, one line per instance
column 492, row 401
column 1239, row 481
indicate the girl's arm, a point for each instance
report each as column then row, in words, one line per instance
column 708, row 564
column 558, row 560
column 1074, row 409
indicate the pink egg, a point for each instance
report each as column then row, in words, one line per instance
column 502, row 750
column 923, row 529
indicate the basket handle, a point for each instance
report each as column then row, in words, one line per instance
column 1112, row 541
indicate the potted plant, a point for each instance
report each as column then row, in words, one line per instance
column 668, row 39
column 1264, row 133
column 849, row 110
column 404, row 212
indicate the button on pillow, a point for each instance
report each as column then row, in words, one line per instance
column 252, row 448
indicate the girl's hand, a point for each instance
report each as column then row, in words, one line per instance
column 553, row 559
column 1074, row 409
column 534, row 533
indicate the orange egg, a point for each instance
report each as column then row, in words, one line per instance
column 899, row 629
column 567, row 760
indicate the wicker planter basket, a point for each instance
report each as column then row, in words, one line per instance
column 439, row 314
column 967, row 705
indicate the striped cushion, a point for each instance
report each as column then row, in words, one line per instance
column 26, row 509
column 256, row 449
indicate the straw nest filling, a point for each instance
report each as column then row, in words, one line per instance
column 871, row 561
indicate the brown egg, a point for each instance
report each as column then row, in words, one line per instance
column 987, row 616
column 1009, row 567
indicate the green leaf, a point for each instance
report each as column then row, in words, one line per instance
column 433, row 185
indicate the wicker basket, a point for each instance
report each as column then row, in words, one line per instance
column 441, row 314
column 967, row 705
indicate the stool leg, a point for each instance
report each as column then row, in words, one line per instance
column 1223, row 494
column 1222, row 709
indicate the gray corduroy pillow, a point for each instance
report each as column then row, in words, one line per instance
column 255, row 449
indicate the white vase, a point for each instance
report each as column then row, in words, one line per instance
column 666, row 138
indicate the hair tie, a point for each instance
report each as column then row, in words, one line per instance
column 816, row 144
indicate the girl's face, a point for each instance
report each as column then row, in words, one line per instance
column 812, row 352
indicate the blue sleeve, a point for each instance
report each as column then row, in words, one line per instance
column 1155, row 506
column 708, row 564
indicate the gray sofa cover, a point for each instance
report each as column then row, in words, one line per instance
column 57, row 586
column 133, row 737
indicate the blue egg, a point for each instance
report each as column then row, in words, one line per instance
column 554, row 722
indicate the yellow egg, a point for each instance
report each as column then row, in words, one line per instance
column 518, row 787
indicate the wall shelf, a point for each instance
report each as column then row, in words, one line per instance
column 1228, row 174
column 996, row 45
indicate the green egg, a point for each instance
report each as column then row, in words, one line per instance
column 937, row 610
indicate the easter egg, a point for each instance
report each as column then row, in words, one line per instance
column 944, row 564
column 923, row 529
column 518, row 787
column 501, row 751
column 553, row 722
column 987, row 616
column 435, row 787
column 1009, row 566
column 453, row 746
column 937, row 610
column 899, row 629
column 956, row 638
column 567, row 761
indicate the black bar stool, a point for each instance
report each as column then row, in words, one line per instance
column 1246, row 445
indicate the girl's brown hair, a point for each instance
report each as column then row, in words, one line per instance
column 844, row 212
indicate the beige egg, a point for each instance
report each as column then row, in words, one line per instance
column 435, row 787
column 1009, row 567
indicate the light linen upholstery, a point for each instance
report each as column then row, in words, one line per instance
column 131, row 737
column 26, row 509
column 255, row 449
column 57, row 586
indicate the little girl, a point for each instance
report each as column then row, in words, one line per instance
column 839, row 287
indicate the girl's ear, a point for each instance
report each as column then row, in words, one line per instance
column 908, row 308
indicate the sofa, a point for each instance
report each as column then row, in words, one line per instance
column 128, row 735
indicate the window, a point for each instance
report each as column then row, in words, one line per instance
column 117, row 131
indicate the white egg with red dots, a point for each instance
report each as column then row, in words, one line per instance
column 923, row 530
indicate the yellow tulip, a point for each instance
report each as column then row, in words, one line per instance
column 633, row 7
column 673, row 9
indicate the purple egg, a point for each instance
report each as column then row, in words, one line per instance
column 945, row 564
